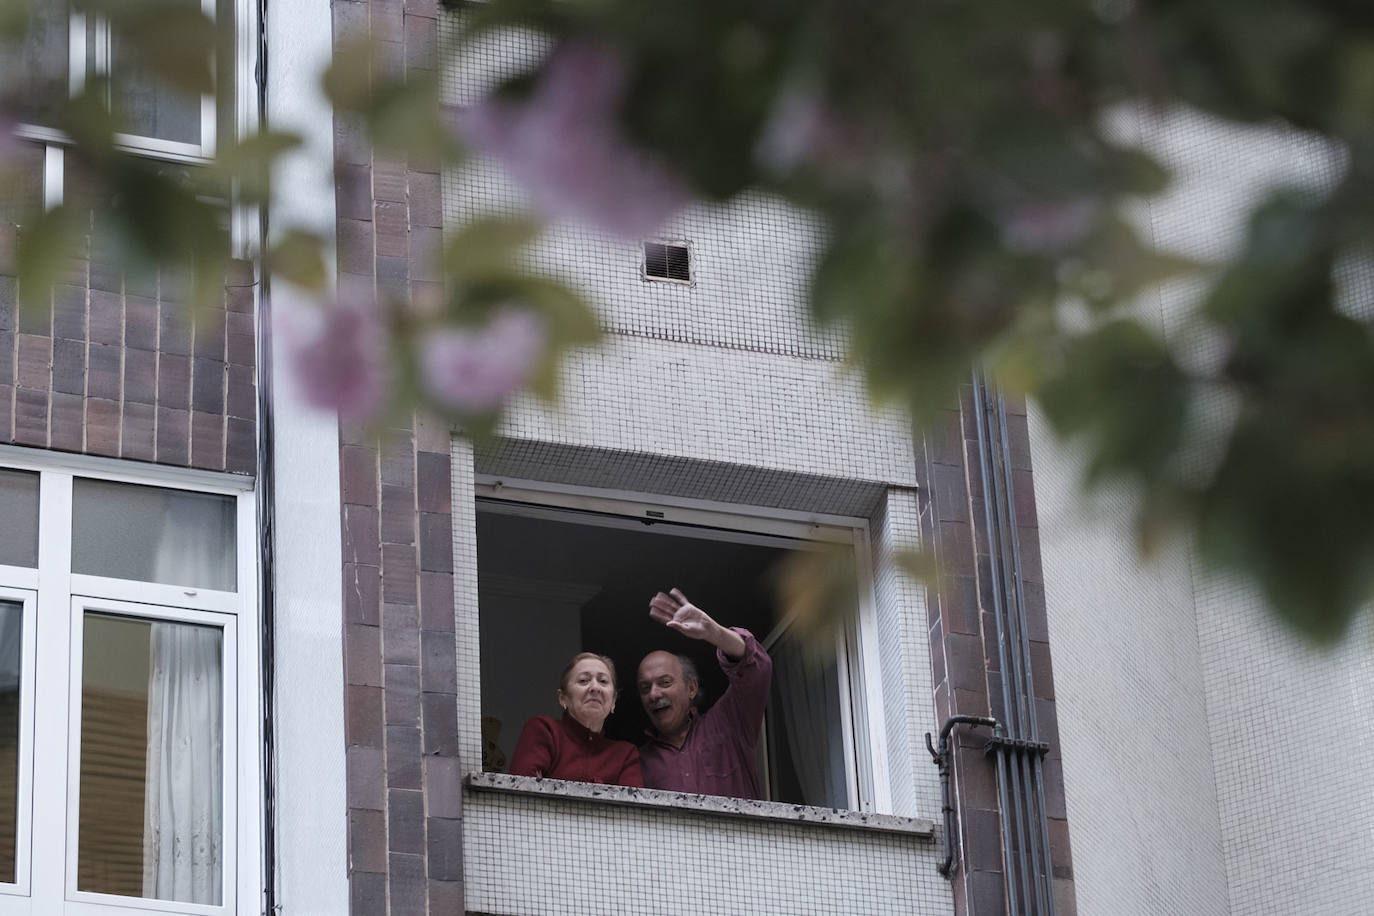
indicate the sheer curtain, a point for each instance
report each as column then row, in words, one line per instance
column 184, row 801
column 807, row 696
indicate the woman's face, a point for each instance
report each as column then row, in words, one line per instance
column 589, row 694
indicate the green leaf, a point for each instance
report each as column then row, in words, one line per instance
column 169, row 39
column 297, row 257
column 487, row 246
column 44, row 247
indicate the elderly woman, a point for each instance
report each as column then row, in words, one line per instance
column 575, row 747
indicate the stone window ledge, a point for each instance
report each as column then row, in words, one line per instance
column 713, row 805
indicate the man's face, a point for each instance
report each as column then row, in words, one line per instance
column 665, row 694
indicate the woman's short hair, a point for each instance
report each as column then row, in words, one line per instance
column 583, row 656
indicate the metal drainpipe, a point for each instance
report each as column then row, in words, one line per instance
column 1024, row 823
column 265, row 504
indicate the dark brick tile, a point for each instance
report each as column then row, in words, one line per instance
column 982, row 839
column 959, row 608
column 67, row 425
column 240, row 345
column 432, row 435
column 106, row 275
column 393, row 272
column 436, row 542
column 174, row 330
column 34, row 318
column 207, row 440
column 402, row 683
column 402, row 644
column 398, row 574
column 403, row 757
column 366, row 772
column 1030, row 554
column 965, row 662
column 240, row 275
column 351, row 144
column 363, row 715
column 445, row 848
column 1047, row 721
column 951, row 494
column 425, row 200
column 444, row 786
column 438, row 663
column 69, row 366
column 426, row 8
column 350, row 21
column 30, row 416
column 1065, row 897
column 1060, row 854
column 174, row 381
column 353, row 191
column 956, row 548
column 421, row 38
column 398, row 514
column 445, row 896
column 1037, row 624
column 1054, row 788
column 140, row 376
column 35, row 362
column 366, row 840
column 207, row 385
column 173, row 436
column 241, row 446
column 440, row 712
column 102, row 427
column 362, row 655
column 407, row 884
column 390, row 220
column 6, row 413
column 1042, row 673
column 7, row 357
column 388, row 179
column 69, row 312
column 385, row 21
column 398, row 461
column 137, row 433
column 988, row 893
column 945, row 439
column 358, row 475
column 400, row 617
column 243, row 393
column 936, row 637
column 436, row 601
column 360, row 535
column 977, row 777
column 405, row 817
column 426, row 251
column 9, row 302
column 140, row 323
column 107, row 318
column 209, row 335
column 355, row 247
column 366, row 893
column 971, row 703
column 103, row 372
column 362, row 586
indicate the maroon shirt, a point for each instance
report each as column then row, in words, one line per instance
column 720, row 755
column 566, row 749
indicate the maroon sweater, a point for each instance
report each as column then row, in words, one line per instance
column 566, row 749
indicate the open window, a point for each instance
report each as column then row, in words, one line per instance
column 561, row 575
column 128, row 713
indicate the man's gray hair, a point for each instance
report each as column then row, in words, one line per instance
column 689, row 674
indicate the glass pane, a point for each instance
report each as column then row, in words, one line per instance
column 11, row 638
column 36, row 71
column 18, row 518
column 173, row 537
column 151, row 819
column 807, row 745
column 146, row 106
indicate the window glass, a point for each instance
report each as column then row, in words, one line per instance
column 148, row 107
column 19, row 509
column 173, row 537
column 37, row 69
column 11, row 635
column 151, row 820
column 21, row 188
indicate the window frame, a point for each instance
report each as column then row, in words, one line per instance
column 60, row 599
column 862, row 708
column 23, row 845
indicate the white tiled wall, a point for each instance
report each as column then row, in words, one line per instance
column 1213, row 763
column 721, row 390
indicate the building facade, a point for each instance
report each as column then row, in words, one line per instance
column 359, row 624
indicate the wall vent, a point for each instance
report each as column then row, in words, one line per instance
column 670, row 261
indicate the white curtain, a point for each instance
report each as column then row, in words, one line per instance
column 807, row 696
column 184, row 801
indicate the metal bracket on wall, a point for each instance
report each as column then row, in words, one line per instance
column 1002, row 742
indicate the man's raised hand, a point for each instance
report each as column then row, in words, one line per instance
column 674, row 611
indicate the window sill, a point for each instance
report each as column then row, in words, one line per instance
column 714, row 805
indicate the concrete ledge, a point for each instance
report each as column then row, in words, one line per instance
column 712, row 805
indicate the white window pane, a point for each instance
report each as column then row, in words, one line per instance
column 11, row 637
column 34, row 74
column 151, row 820
column 146, row 106
column 18, row 518
column 173, row 537
column 807, row 744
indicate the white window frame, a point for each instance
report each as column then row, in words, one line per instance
column 862, row 708
column 28, row 599
column 61, row 598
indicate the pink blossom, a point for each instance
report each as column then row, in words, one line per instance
column 1047, row 227
column 565, row 146
column 473, row 370
column 339, row 357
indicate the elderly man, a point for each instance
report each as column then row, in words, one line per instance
column 687, row 751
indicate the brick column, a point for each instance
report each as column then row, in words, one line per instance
column 964, row 655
